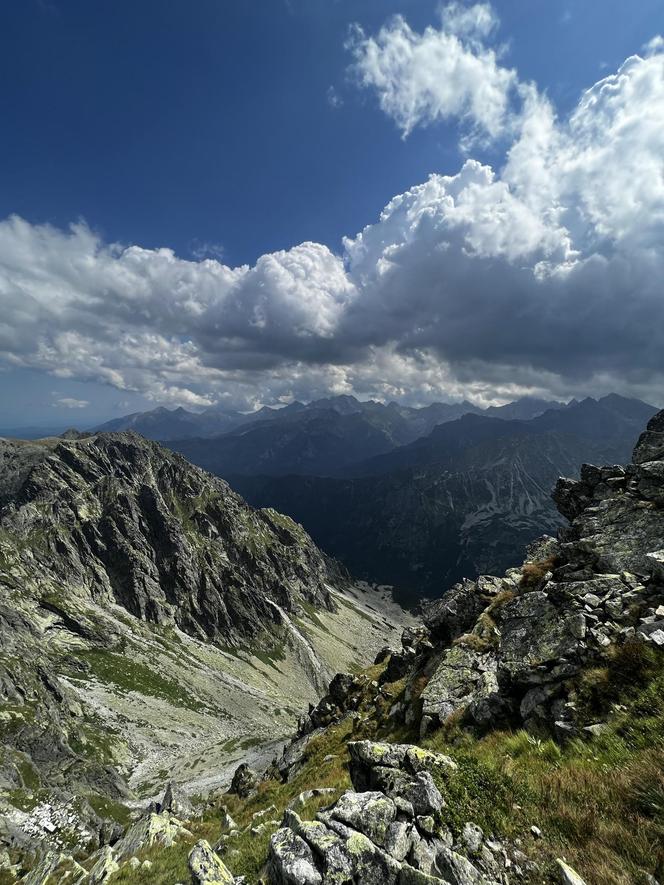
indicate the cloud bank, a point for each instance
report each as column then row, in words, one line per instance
column 544, row 276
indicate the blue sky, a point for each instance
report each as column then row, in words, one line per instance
column 230, row 130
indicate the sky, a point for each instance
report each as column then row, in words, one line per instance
column 230, row 203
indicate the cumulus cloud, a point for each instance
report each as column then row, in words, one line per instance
column 541, row 277
column 442, row 73
column 69, row 402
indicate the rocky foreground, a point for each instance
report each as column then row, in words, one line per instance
column 514, row 737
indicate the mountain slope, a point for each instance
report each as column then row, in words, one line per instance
column 611, row 423
column 315, row 441
column 150, row 622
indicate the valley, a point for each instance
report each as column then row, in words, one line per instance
column 154, row 627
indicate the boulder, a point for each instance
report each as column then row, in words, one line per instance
column 567, row 875
column 463, row 675
column 292, row 860
column 206, row 867
column 536, row 636
column 175, row 802
column 370, row 813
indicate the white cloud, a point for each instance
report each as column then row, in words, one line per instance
column 543, row 277
column 475, row 22
column 68, row 402
column 442, row 73
column 334, row 99
column 654, row 45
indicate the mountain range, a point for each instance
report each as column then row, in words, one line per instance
column 461, row 498
column 404, row 422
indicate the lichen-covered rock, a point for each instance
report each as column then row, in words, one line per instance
column 389, row 835
column 536, row 636
column 206, row 868
column 105, row 866
column 462, row 674
column 151, row 829
column 371, row 813
column 292, row 860
column 369, row 760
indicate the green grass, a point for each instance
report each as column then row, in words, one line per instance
column 169, row 865
column 29, row 774
column 132, row 675
column 599, row 802
column 109, row 808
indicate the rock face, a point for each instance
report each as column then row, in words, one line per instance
column 117, row 519
column 387, row 831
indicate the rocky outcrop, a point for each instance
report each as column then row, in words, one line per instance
column 519, row 642
column 116, row 518
column 245, row 780
column 387, row 831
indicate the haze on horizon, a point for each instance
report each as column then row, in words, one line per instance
column 399, row 201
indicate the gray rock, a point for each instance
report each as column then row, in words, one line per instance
column 206, row 867
column 370, row 813
column 457, row 869
column 462, row 676
column 175, row 801
column 472, row 837
column 456, row 612
column 535, row 636
column 291, row 860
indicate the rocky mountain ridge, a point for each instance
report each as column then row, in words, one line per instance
column 178, row 424
column 513, row 737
